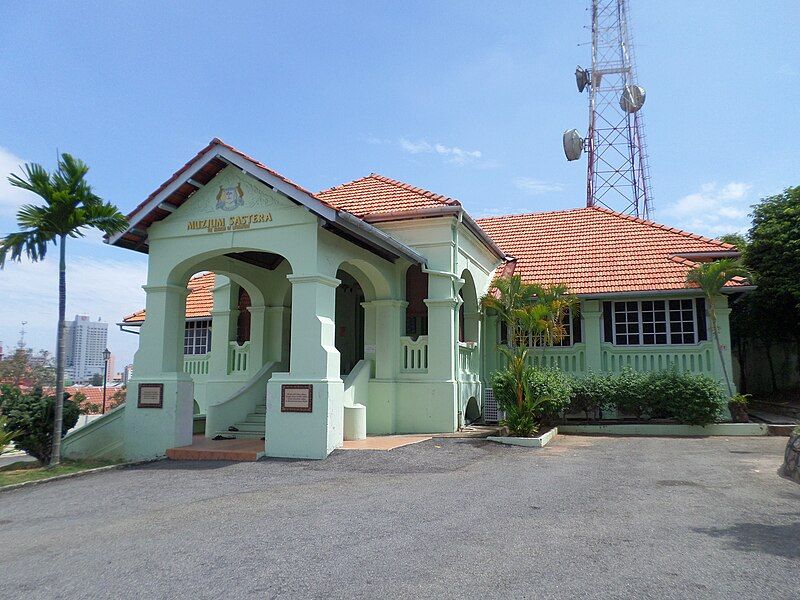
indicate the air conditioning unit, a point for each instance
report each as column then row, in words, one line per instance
column 491, row 413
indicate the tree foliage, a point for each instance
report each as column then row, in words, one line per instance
column 23, row 368
column 31, row 415
column 770, row 315
column 774, row 249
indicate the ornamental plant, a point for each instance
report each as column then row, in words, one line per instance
column 711, row 278
column 6, row 435
column 529, row 396
column 31, row 414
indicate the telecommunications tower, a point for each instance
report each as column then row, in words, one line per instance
column 617, row 174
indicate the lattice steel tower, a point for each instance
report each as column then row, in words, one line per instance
column 617, row 175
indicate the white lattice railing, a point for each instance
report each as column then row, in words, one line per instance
column 196, row 364
column 414, row 354
column 468, row 360
column 238, row 357
column 695, row 359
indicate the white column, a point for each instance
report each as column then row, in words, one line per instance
column 314, row 362
column 150, row 431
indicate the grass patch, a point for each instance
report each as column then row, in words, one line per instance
column 21, row 472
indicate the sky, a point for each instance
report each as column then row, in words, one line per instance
column 467, row 99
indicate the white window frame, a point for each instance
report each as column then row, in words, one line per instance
column 190, row 337
column 669, row 342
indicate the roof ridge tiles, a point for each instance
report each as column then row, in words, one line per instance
column 412, row 188
column 655, row 225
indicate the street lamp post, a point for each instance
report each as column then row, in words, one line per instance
column 106, row 357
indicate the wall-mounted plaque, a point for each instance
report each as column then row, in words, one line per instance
column 297, row 397
column 151, row 395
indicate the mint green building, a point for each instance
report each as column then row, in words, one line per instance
column 306, row 319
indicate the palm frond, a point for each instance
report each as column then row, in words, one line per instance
column 29, row 243
column 105, row 217
column 36, row 180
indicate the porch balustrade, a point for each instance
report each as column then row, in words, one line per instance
column 196, row 364
column 468, row 360
column 695, row 359
column 414, row 354
column 569, row 359
column 238, row 357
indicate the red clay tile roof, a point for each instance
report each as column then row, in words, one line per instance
column 199, row 302
column 596, row 250
column 378, row 194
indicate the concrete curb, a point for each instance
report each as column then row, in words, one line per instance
column 16, row 486
column 527, row 442
column 655, row 430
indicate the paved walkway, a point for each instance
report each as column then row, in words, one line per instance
column 585, row 517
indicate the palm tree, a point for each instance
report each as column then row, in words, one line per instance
column 69, row 208
column 711, row 278
column 508, row 297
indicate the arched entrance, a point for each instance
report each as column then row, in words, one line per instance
column 349, row 321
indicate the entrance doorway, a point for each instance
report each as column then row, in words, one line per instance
column 349, row 322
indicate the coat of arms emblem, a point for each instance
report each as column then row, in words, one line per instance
column 229, row 198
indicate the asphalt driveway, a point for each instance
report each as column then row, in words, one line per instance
column 585, row 517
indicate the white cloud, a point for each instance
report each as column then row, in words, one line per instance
column 11, row 198
column 97, row 286
column 451, row 154
column 535, row 187
column 713, row 210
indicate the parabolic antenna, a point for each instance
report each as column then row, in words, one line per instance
column 632, row 98
column 581, row 78
column 573, row 144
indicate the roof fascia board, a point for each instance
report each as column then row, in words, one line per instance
column 439, row 211
column 709, row 254
column 651, row 293
column 165, row 193
column 370, row 233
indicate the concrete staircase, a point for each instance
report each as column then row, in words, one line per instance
column 252, row 428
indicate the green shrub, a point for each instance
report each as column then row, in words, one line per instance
column 553, row 389
column 31, row 415
column 629, row 393
column 696, row 399
column 688, row 398
column 590, row 394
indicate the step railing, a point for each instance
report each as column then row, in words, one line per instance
column 238, row 357
column 414, row 354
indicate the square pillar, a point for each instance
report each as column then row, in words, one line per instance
column 223, row 328
column 315, row 362
column 384, row 324
column 724, row 332
column 276, row 325
column 149, row 432
column 258, row 339
column 442, row 338
column 592, row 313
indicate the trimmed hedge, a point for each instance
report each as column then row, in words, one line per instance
column 690, row 399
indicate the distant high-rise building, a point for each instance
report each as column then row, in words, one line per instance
column 127, row 373
column 85, row 342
